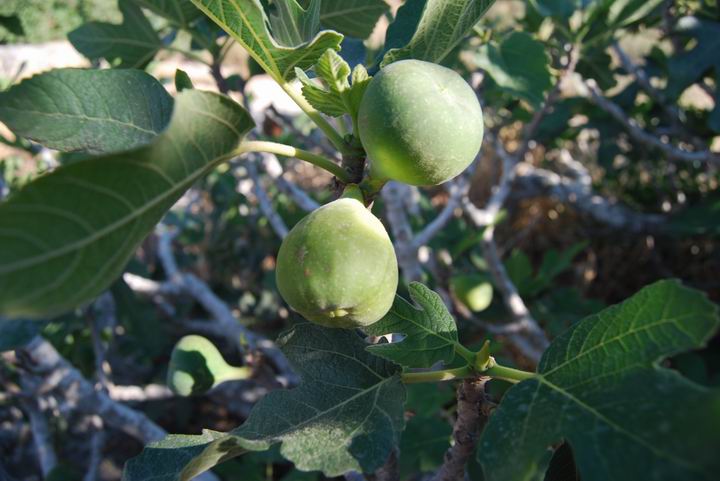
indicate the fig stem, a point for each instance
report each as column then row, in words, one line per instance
column 233, row 373
column 437, row 376
column 507, row 373
column 352, row 191
column 290, row 151
column 332, row 134
column 495, row 371
column 465, row 353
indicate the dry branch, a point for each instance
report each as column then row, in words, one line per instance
column 473, row 409
column 640, row 135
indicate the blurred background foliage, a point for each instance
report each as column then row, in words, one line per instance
column 656, row 60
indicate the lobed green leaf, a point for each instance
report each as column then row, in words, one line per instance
column 247, row 22
column 430, row 331
column 132, row 44
column 599, row 388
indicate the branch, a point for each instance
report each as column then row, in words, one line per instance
column 41, row 358
column 457, row 189
column 593, row 92
column 473, row 410
column 532, row 181
column 514, row 303
column 225, row 324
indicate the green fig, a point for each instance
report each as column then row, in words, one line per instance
column 420, row 123
column 196, row 366
column 337, row 266
column 473, row 290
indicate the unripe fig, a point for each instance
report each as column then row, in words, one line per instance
column 420, row 123
column 197, row 366
column 337, row 266
column 473, row 290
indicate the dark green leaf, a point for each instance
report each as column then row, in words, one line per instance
column 702, row 218
column 423, row 444
column 431, row 334
column 12, row 24
column 519, row 64
column 77, row 110
column 401, row 30
column 182, row 81
column 180, row 12
column 601, row 390
column 67, row 235
column 246, row 21
column 355, row 18
column 131, row 44
column 347, row 414
column 443, row 25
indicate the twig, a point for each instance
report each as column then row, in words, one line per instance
column 276, row 222
column 42, row 437
column 473, row 409
column 457, row 190
column 150, row 392
column 407, row 254
column 97, row 442
column 104, row 317
column 389, row 471
column 514, row 303
column 636, row 132
column 272, row 166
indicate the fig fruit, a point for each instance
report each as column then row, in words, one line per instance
column 197, row 366
column 337, row 266
column 420, row 123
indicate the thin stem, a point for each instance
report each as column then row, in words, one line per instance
column 437, row 376
column 316, row 117
column 187, row 53
column 290, row 151
column 508, row 374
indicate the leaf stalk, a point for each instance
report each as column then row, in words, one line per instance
column 290, row 151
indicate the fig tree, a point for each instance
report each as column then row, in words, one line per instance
column 196, row 366
column 337, row 266
column 420, row 123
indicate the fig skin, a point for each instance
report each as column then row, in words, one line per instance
column 420, row 123
column 337, row 266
